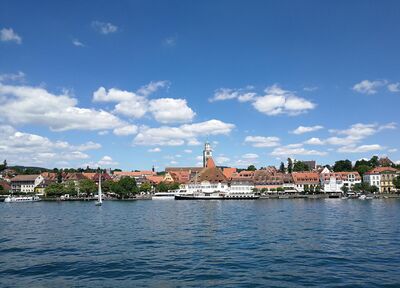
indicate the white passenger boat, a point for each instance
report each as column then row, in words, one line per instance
column 15, row 199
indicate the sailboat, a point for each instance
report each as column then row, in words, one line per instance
column 99, row 201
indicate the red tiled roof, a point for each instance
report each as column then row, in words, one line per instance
column 134, row 173
column 155, row 179
column 305, row 177
column 377, row 170
column 210, row 163
column 228, row 172
column 24, row 178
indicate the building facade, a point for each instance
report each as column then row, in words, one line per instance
column 25, row 183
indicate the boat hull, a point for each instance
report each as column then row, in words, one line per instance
column 239, row 197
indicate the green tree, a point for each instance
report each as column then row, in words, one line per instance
column 106, row 186
column 318, row 189
column 373, row 189
column 125, row 187
column 54, row 190
column 282, row 168
column 59, row 176
column 374, row 161
column 344, row 189
column 290, row 165
column 300, row 166
column 87, row 186
column 251, row 168
column 396, row 182
column 306, row 188
column 1, row 189
column 145, row 187
column 3, row 166
column 70, row 188
column 342, row 165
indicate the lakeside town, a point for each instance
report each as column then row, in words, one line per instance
column 294, row 179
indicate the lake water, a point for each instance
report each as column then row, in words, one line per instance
column 265, row 243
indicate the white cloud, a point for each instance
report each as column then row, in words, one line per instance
column 31, row 149
column 310, row 89
column 305, row 129
column 168, row 110
column 35, row 105
column 154, row 150
column 278, row 101
column 393, row 150
column 77, row 43
column 368, row 87
column 187, row 151
column 104, row 162
column 104, row 27
column 292, row 150
column 135, row 104
column 246, row 97
column 176, row 136
column 88, row 146
column 130, row 104
column 360, row 149
column 356, row 133
column 8, row 35
column 394, row 87
column 260, row 141
column 126, row 130
column 152, row 87
column 221, row 160
column 250, row 156
column 242, row 95
column 19, row 77
column 224, row 94
column 314, row 141
column 170, row 41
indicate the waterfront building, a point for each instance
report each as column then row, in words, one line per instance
column 264, row 179
column 25, row 183
column 240, row 186
column 304, row 181
column 334, row 181
column 210, row 179
column 382, row 177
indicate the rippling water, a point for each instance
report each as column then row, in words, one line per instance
column 266, row 243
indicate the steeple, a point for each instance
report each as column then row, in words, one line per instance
column 207, row 153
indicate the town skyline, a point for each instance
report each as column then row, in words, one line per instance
column 104, row 88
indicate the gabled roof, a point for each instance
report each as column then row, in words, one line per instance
column 155, row 179
column 210, row 174
column 24, row 178
column 378, row 170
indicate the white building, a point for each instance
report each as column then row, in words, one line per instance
column 25, row 183
column 334, row 181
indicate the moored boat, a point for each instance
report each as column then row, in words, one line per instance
column 17, row 199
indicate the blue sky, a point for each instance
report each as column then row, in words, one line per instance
column 132, row 84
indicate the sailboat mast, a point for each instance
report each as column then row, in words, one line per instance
column 99, row 192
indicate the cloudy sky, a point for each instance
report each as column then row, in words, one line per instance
column 132, row 84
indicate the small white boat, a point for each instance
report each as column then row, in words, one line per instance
column 99, row 201
column 16, row 199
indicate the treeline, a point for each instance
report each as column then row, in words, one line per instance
column 124, row 188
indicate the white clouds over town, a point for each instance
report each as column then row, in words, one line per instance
column 274, row 100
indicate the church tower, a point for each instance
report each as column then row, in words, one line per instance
column 207, row 153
